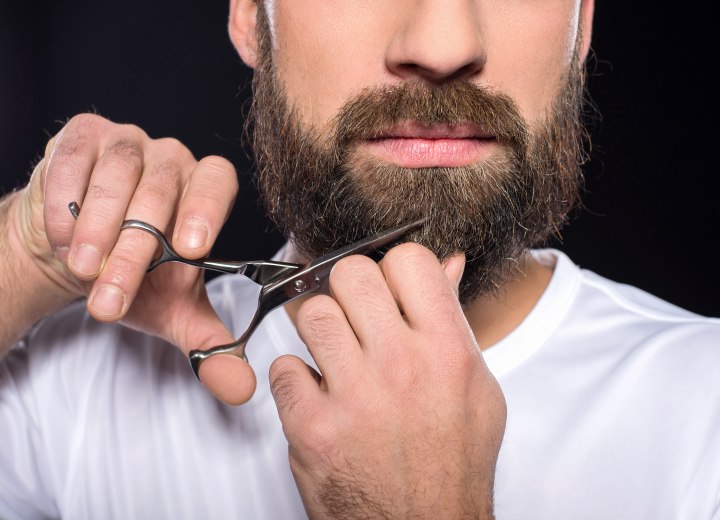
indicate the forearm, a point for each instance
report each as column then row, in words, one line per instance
column 27, row 293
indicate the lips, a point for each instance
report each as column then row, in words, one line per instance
column 415, row 145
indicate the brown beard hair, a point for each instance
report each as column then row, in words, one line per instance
column 322, row 194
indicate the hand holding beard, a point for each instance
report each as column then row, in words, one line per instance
column 406, row 420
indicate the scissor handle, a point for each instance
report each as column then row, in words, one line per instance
column 260, row 271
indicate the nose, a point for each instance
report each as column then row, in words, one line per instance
column 437, row 41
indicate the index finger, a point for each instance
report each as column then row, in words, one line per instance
column 206, row 202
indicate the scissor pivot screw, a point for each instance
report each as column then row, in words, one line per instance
column 300, row 285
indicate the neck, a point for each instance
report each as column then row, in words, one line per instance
column 494, row 316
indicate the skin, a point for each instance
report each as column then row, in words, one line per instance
column 117, row 172
column 387, row 404
column 406, row 420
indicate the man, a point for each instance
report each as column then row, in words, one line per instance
column 366, row 115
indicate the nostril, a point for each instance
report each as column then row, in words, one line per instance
column 467, row 71
column 438, row 74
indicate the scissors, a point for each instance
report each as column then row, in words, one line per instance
column 280, row 282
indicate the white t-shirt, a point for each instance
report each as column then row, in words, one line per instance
column 613, row 412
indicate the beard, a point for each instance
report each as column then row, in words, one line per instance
column 322, row 193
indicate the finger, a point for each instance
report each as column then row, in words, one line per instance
column 193, row 324
column 454, row 267
column 205, row 206
column 69, row 160
column 323, row 327
column 154, row 201
column 296, row 392
column 419, row 284
column 187, row 319
column 358, row 285
column 229, row 378
column 112, row 184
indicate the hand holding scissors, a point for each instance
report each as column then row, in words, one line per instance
column 281, row 282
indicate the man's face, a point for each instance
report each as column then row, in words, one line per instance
column 327, row 51
column 370, row 114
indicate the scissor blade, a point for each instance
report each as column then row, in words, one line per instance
column 264, row 272
column 314, row 275
column 363, row 247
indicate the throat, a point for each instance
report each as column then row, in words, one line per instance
column 493, row 317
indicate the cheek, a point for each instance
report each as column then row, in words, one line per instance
column 325, row 52
column 538, row 37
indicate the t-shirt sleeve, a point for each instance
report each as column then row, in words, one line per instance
column 24, row 485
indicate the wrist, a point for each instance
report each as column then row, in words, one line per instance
column 31, row 280
column 342, row 496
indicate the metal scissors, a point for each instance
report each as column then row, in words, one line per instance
column 280, row 282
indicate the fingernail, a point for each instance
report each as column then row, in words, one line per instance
column 108, row 300
column 86, row 260
column 193, row 234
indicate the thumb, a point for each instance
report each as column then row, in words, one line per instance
column 228, row 377
column 454, row 267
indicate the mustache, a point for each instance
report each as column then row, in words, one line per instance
column 376, row 110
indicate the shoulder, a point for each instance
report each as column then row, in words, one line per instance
column 642, row 316
column 608, row 331
column 629, row 384
column 620, row 332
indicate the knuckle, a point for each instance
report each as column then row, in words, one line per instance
column 100, row 192
column 65, row 169
column 217, row 165
column 149, row 198
column 218, row 171
column 85, row 123
column 68, row 146
column 410, row 260
column 125, row 266
column 133, row 130
column 284, row 387
column 319, row 326
column 359, row 279
column 318, row 315
column 167, row 173
column 50, row 146
column 126, row 151
column 119, row 272
column 409, row 253
column 174, row 148
column 282, row 380
column 122, row 159
column 352, row 268
column 320, row 435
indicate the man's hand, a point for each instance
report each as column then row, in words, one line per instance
column 116, row 172
column 406, row 420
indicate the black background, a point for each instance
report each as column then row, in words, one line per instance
column 650, row 212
